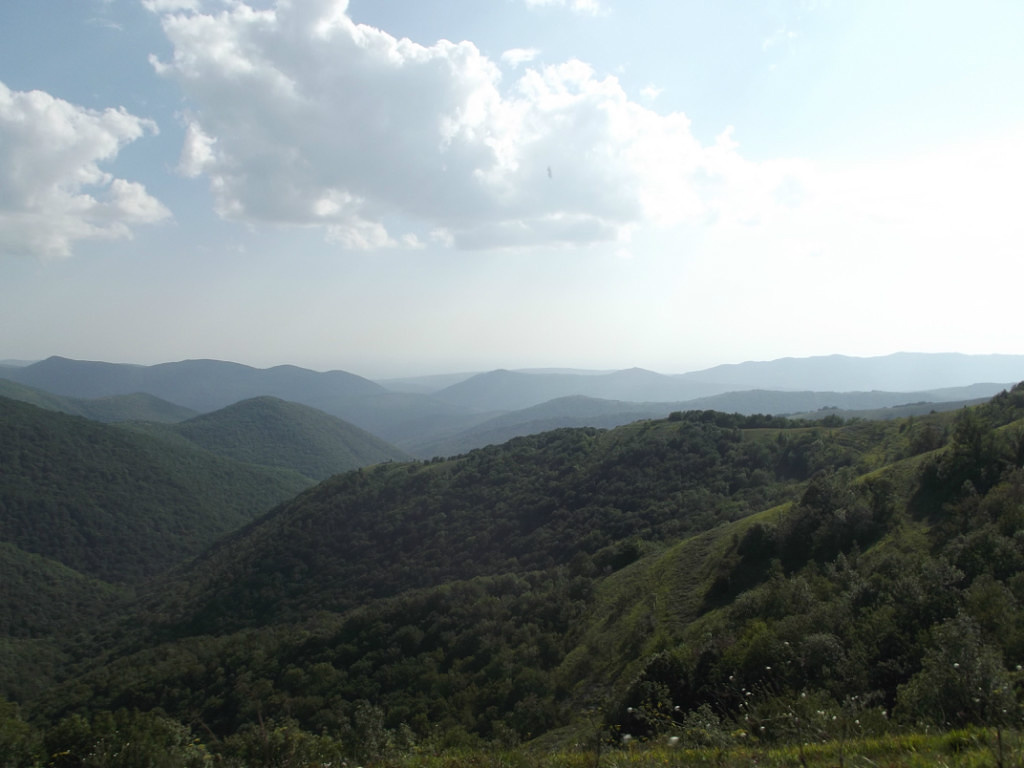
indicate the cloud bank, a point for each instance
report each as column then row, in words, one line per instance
column 53, row 191
column 298, row 115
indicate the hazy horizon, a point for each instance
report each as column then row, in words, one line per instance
column 409, row 374
column 407, row 188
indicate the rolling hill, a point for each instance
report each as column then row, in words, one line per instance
column 117, row 505
column 533, row 503
column 113, row 408
column 704, row 576
column 460, row 596
column 274, row 433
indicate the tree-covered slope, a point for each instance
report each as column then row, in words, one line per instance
column 113, row 408
column 530, row 504
column 709, row 576
column 43, row 598
column 271, row 432
column 118, row 505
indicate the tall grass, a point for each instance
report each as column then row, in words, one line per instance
column 968, row 748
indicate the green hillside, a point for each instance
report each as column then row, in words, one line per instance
column 114, row 408
column 584, row 496
column 274, row 433
column 117, row 505
column 745, row 585
column 43, row 598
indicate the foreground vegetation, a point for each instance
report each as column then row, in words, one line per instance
column 706, row 589
column 128, row 739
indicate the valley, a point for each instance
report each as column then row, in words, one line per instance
column 268, row 584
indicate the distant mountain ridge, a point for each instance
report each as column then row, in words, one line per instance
column 202, row 385
column 899, row 372
column 440, row 413
column 582, row 411
column 512, row 390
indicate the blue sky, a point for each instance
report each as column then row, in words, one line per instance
column 400, row 187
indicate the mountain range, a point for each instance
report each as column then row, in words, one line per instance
column 266, row 584
column 444, row 415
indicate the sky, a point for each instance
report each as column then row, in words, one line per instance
column 408, row 187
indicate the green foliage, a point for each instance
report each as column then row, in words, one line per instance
column 115, row 408
column 962, row 680
column 123, row 739
column 19, row 742
column 570, row 496
column 755, row 589
column 43, row 598
column 274, row 433
column 116, row 505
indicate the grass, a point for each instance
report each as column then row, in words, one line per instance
column 972, row 748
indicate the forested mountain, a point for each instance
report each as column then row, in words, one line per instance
column 202, row 385
column 426, row 419
column 118, row 505
column 709, row 576
column 534, row 503
column 579, row 411
column 271, row 432
column 44, row 598
column 113, row 408
column 208, row 385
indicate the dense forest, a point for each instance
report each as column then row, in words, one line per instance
column 719, row 581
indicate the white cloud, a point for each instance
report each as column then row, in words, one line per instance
column 591, row 7
column 52, row 189
column 651, row 92
column 160, row 6
column 515, row 57
column 298, row 115
column 197, row 152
